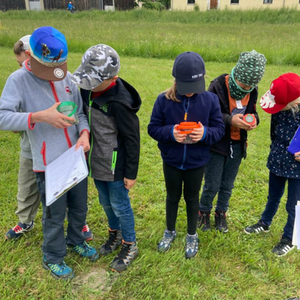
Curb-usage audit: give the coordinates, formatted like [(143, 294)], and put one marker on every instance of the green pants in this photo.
[(28, 194)]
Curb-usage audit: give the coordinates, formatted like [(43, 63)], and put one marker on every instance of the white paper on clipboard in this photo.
[(64, 173)]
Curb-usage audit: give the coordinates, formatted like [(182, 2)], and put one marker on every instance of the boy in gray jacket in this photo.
[(29, 102)]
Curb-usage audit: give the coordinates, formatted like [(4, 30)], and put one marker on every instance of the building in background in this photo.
[(62, 4), (204, 5)]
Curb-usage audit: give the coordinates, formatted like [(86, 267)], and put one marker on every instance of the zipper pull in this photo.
[(113, 162)]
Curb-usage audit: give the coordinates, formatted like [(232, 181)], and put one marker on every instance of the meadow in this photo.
[(228, 266)]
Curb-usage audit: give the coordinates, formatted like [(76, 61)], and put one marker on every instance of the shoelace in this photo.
[(85, 228), (111, 239), (57, 267), (17, 228), (124, 251), (82, 248), (191, 243)]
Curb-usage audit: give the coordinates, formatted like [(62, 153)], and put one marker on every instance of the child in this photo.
[(184, 163), (111, 104), (237, 94), (282, 101), (36, 90), (70, 7), (28, 194)]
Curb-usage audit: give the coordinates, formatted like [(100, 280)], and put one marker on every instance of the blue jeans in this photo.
[(220, 174), (114, 198), (276, 190)]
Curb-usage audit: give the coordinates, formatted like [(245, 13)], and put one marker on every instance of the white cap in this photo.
[(25, 40)]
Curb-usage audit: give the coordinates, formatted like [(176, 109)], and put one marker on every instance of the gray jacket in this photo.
[(25, 94)]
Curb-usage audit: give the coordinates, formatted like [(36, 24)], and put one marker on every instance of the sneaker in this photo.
[(191, 246), (165, 243), (87, 233), (283, 247), (128, 253), (204, 220), (59, 271), (257, 228), (113, 242), (85, 250), (220, 219), (16, 232)]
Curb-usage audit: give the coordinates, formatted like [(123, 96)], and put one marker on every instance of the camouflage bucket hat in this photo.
[(250, 68), (98, 63)]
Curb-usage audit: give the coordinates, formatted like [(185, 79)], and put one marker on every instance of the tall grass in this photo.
[(219, 36), (234, 266)]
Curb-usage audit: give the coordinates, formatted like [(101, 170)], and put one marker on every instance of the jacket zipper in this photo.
[(43, 152), (114, 161), (186, 105), (57, 100)]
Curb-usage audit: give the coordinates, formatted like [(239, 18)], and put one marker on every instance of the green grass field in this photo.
[(230, 266)]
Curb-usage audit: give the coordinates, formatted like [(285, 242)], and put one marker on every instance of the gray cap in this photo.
[(98, 63), (25, 40)]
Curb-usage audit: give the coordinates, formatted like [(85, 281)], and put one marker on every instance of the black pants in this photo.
[(192, 180), (54, 245)]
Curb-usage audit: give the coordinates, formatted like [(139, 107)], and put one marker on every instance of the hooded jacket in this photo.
[(24, 94), (166, 113), (115, 132), (218, 87)]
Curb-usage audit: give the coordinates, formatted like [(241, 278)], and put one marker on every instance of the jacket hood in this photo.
[(127, 95)]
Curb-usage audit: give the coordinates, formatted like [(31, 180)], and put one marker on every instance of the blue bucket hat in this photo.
[(49, 51)]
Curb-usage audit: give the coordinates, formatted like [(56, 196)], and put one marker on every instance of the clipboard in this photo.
[(64, 173), (295, 142)]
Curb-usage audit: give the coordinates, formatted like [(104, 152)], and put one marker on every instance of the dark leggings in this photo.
[(192, 179)]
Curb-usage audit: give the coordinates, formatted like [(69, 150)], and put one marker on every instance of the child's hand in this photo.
[(129, 183), (197, 133), (83, 141), (297, 156), (237, 121), (52, 117), (178, 137)]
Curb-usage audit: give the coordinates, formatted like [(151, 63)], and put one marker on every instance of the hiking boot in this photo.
[(220, 219), (204, 220), (191, 246), (113, 242), (283, 247), (128, 253), (257, 228), (59, 271), (165, 243), (16, 232), (87, 233), (85, 250)]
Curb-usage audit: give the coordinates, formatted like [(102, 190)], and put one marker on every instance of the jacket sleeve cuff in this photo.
[(30, 125), (204, 134), (172, 132), (83, 132)]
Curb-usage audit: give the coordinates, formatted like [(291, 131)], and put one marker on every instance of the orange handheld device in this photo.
[(187, 128), (249, 118)]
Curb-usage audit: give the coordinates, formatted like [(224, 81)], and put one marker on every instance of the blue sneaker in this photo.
[(166, 242), (87, 251), (191, 246), (16, 232), (87, 233), (59, 271)]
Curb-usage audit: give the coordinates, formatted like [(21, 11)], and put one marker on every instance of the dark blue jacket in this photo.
[(204, 108), (281, 162)]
